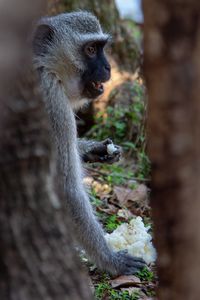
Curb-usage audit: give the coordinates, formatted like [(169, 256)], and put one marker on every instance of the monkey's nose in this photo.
[(107, 68)]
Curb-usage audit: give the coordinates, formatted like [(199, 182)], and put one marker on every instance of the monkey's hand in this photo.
[(126, 264), (105, 151)]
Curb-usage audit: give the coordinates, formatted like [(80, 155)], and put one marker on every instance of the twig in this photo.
[(105, 174)]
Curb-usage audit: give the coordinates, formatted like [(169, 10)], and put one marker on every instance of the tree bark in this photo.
[(37, 261), (172, 68)]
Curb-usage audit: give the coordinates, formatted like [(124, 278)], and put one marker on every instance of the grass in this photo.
[(111, 223), (104, 290), (95, 201), (145, 275)]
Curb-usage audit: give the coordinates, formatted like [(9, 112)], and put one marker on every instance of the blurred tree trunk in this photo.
[(37, 261), (172, 66)]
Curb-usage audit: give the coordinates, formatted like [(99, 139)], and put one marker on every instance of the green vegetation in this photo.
[(120, 118), (95, 201), (125, 125), (104, 290), (111, 223), (145, 275), (101, 289), (143, 165), (116, 174)]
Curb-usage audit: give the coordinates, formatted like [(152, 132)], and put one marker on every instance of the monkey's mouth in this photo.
[(93, 89), (98, 86)]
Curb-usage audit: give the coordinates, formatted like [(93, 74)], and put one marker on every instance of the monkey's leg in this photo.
[(94, 151)]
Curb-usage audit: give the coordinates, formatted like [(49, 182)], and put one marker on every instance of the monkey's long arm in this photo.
[(88, 231), (94, 151)]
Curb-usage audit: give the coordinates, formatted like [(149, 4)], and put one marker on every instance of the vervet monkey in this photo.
[(69, 57)]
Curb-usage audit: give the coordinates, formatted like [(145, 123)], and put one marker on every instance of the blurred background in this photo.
[(37, 259)]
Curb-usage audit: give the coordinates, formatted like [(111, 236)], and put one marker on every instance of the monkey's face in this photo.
[(97, 71), (71, 48)]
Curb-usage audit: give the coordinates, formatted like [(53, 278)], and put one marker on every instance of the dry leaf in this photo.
[(129, 280), (110, 210), (125, 214), (131, 290), (126, 196), (135, 200)]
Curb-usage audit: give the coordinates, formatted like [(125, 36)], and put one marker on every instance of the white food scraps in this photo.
[(111, 148), (135, 238)]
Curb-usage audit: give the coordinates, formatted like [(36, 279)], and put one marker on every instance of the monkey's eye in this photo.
[(91, 50)]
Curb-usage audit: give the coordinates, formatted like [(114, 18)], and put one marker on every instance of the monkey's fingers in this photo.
[(107, 141), (129, 264), (110, 159)]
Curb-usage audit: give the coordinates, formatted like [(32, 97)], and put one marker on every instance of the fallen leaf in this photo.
[(126, 196), (110, 210), (131, 290), (125, 280), (135, 200), (125, 214)]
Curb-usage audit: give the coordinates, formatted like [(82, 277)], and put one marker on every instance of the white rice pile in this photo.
[(135, 238)]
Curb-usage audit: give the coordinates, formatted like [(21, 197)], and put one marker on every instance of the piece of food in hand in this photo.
[(111, 148)]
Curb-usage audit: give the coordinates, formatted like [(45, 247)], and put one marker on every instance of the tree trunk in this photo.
[(172, 67), (37, 261)]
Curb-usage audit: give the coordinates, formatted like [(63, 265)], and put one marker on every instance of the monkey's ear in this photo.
[(42, 38)]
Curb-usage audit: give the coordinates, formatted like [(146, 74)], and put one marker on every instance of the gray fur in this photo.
[(70, 34), (59, 71)]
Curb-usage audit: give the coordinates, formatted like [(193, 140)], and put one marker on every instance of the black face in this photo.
[(98, 69)]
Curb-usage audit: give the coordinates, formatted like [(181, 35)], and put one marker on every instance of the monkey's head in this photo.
[(71, 47)]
